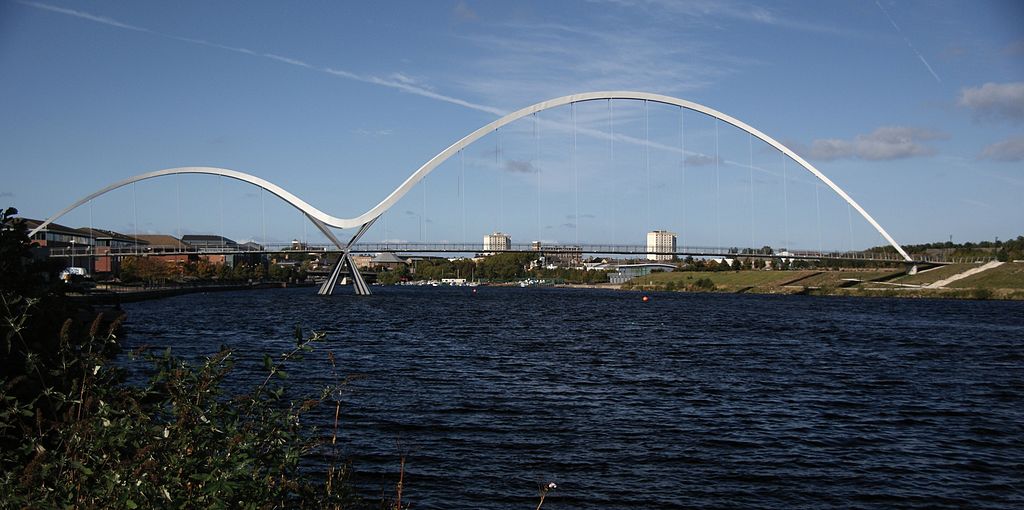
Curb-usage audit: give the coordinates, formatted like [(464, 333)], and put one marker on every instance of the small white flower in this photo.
[(166, 432), (106, 422), (552, 486), (95, 369)]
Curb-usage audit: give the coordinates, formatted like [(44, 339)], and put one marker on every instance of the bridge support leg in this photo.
[(327, 288), (357, 278), (344, 259), (912, 269)]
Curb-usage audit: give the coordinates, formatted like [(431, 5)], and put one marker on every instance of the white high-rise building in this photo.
[(661, 241), (497, 241)]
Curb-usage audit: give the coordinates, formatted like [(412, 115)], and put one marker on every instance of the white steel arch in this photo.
[(441, 157), (315, 215), (322, 220)]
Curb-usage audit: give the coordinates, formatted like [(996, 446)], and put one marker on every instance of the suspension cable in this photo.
[(817, 213), (423, 212), (647, 163), (718, 194), (92, 232), (575, 176), (220, 193), (611, 159), (750, 147), (785, 199), (849, 220), (177, 192), (682, 165), (497, 168), (462, 190), (135, 219), (536, 142)]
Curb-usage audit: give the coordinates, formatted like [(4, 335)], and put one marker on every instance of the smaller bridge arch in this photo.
[(315, 215)]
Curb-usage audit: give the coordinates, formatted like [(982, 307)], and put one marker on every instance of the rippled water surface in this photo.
[(683, 401)]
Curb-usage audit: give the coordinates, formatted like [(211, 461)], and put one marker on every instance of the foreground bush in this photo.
[(74, 434)]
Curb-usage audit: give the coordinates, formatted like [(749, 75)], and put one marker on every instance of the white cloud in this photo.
[(374, 132), (85, 15), (975, 203), (699, 160), (1011, 149), (713, 12), (397, 81), (573, 59), (462, 12), (521, 167), (996, 101), (884, 143), (1015, 49)]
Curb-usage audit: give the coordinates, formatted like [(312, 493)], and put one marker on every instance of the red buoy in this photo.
[(646, 299)]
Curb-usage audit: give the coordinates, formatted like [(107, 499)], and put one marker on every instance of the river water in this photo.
[(684, 401)]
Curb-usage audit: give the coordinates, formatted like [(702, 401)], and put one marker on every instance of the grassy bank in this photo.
[(1003, 282)]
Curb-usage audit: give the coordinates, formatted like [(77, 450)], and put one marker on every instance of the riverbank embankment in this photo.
[(955, 281), (117, 294)]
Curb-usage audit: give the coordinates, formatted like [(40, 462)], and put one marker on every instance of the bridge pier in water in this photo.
[(345, 259), (358, 282)]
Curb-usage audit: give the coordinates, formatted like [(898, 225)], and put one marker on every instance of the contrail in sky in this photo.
[(909, 44), (374, 80), (402, 85)]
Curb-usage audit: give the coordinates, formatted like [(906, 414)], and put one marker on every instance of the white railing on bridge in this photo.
[(478, 248)]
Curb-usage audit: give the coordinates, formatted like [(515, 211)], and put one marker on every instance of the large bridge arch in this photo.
[(453, 149), (323, 220)]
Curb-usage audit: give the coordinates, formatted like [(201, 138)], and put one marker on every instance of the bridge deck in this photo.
[(477, 248)]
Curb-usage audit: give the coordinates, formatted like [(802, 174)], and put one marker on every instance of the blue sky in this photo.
[(916, 109)]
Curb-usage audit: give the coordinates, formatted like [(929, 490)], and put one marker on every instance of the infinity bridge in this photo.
[(362, 223), (477, 248)]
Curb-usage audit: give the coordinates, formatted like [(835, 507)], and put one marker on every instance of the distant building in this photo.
[(59, 236), (59, 239), (204, 242), (497, 241), (212, 243), (362, 261), (626, 272), (388, 261), (554, 256), (114, 245), (159, 243), (663, 243)]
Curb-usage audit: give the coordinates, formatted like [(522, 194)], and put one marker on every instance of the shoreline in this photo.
[(108, 297), (979, 293)]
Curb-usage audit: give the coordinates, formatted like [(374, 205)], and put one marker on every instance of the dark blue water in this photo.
[(686, 401)]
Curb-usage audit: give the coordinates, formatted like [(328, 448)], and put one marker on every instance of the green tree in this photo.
[(224, 272), (145, 269), (73, 434)]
